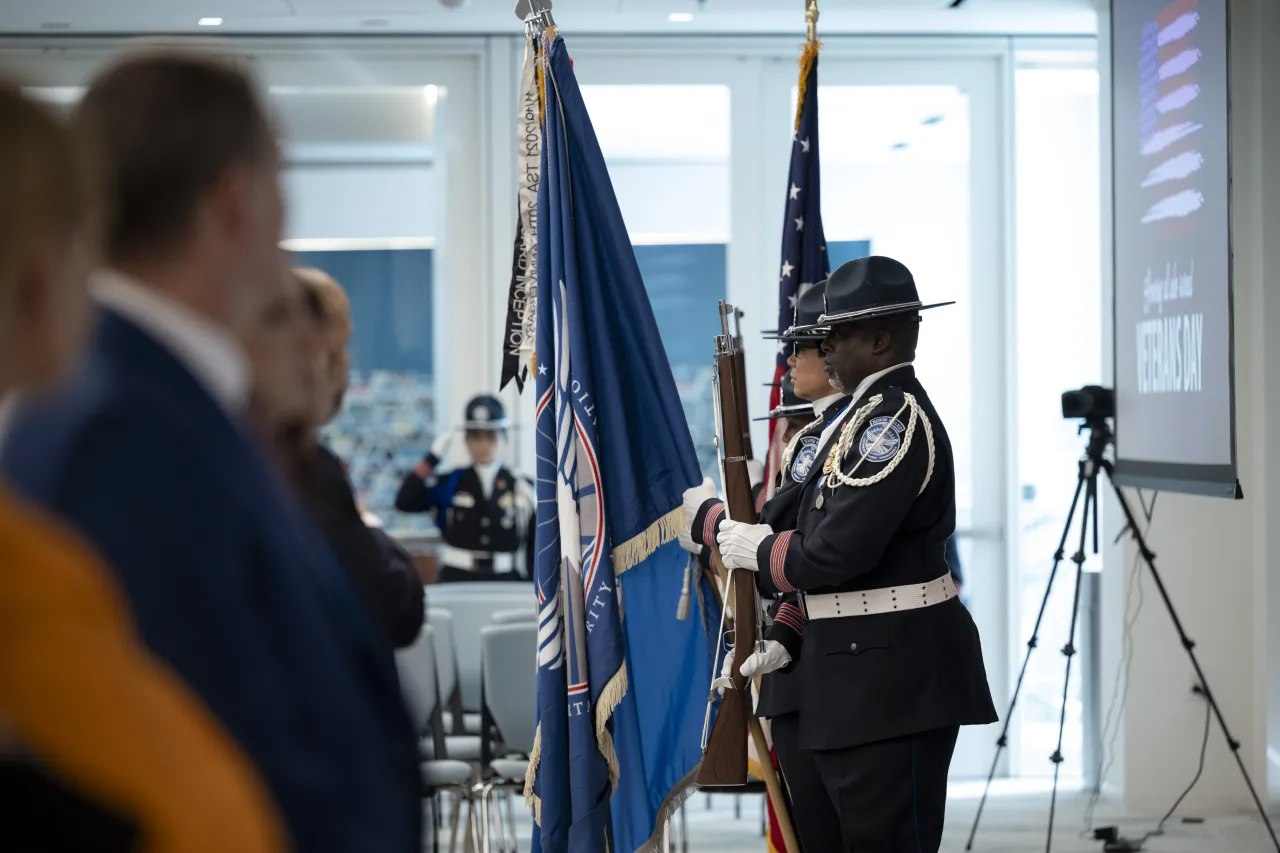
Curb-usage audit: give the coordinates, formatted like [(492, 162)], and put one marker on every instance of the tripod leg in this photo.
[(1069, 650), (1003, 740), (1149, 558)]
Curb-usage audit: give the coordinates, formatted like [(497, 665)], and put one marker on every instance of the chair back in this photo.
[(416, 665), (508, 617), (446, 655), (510, 669), (466, 589), (471, 614)]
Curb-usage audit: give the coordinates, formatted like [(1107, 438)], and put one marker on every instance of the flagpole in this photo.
[(772, 783)]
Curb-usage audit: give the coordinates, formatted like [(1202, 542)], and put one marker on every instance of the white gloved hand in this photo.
[(694, 498), (772, 657), (687, 543), (755, 471), (444, 441), (726, 673), (739, 542)]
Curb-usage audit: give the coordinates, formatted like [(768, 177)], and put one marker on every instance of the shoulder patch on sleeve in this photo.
[(806, 456), (881, 439)]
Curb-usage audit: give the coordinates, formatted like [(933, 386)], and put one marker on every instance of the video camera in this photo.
[(1091, 403)]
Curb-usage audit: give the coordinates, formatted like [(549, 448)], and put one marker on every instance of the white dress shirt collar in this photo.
[(865, 384), (820, 406), (211, 354), (488, 473), (857, 395)]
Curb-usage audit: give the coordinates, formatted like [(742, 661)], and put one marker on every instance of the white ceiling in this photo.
[(81, 17)]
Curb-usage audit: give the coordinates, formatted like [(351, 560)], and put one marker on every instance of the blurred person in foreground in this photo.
[(299, 380), (101, 747), (147, 454)]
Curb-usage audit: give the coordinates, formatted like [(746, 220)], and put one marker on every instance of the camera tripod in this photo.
[(1094, 461)]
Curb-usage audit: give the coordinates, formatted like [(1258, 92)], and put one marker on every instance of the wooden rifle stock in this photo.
[(724, 763)]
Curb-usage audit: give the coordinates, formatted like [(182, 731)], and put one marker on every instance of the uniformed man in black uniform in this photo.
[(891, 664), (484, 511)]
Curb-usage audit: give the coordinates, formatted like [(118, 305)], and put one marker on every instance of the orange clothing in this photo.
[(81, 692)]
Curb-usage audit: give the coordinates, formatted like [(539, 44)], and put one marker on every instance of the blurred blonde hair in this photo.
[(325, 299), (49, 189)]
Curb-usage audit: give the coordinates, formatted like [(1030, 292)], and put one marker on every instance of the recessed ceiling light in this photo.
[(210, 22), (680, 17), (55, 25)]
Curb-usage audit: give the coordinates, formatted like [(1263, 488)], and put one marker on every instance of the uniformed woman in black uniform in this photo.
[(484, 511)]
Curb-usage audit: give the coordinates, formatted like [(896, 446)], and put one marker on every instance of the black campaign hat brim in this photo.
[(786, 412), (873, 313)]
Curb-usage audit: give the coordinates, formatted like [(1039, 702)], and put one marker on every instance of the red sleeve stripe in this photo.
[(709, 524), (778, 561), (790, 616)]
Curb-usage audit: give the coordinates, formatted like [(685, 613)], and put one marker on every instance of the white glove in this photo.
[(739, 542), (694, 498), (755, 471), (440, 447), (726, 673), (687, 543), (773, 657)]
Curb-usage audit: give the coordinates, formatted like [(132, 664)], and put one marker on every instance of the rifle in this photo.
[(740, 380), (724, 758)]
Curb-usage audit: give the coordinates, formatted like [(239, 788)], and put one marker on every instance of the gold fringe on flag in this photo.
[(807, 58), (532, 800), (609, 700), (638, 548)]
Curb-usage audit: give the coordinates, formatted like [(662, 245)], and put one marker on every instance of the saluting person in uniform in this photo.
[(891, 664), (484, 511)]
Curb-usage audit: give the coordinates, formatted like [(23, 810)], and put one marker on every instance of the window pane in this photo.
[(898, 185), (364, 190), (1059, 347), (386, 422), (667, 150)]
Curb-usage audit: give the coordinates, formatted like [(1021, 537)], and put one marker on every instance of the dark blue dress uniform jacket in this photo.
[(231, 585)]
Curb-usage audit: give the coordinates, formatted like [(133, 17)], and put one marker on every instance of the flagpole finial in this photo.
[(536, 14), (811, 19)]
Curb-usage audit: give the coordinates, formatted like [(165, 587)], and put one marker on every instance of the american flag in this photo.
[(804, 246)]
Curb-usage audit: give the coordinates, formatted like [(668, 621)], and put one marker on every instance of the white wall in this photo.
[(1219, 558)]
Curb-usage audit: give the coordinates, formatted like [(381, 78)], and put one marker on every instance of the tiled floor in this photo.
[(1014, 822)]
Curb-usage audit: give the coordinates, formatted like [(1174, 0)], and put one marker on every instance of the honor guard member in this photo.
[(891, 664), (484, 511), (808, 404)]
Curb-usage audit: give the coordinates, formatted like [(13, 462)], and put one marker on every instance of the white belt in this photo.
[(838, 605), (461, 558)]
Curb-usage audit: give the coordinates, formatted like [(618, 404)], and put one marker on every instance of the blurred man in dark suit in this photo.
[(146, 454)]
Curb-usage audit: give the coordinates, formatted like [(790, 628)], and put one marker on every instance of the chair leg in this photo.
[(482, 843), (764, 830), (511, 821), (480, 839), (737, 808), (437, 822), (684, 831), (454, 814), (493, 825)]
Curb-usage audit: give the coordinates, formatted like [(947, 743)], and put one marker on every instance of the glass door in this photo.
[(911, 170)]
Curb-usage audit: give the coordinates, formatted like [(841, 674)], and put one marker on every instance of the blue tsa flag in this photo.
[(620, 678)]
